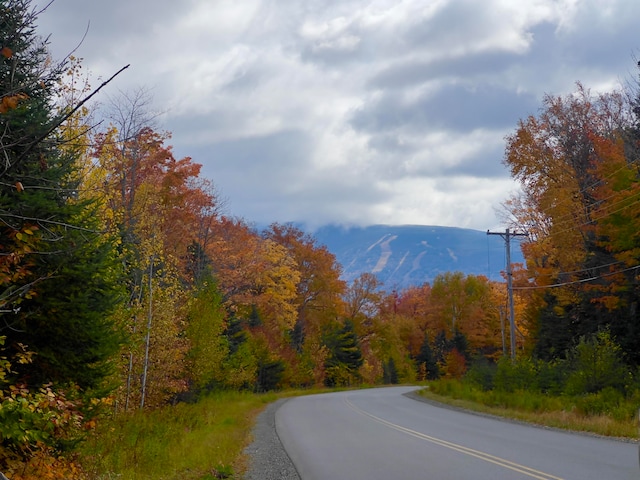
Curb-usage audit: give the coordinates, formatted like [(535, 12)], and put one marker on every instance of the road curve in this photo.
[(382, 434)]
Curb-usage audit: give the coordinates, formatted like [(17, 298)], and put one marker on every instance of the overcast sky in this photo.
[(351, 111)]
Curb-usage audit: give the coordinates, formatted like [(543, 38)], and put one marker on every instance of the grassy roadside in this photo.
[(569, 413), (200, 441), (206, 440)]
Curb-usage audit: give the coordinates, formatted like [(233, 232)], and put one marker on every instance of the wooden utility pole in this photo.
[(507, 236), (504, 343)]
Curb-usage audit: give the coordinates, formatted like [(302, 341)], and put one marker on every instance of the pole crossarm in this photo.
[(507, 235)]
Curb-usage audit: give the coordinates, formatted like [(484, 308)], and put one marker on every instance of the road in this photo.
[(382, 434)]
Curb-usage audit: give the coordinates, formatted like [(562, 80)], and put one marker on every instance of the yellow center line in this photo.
[(460, 448)]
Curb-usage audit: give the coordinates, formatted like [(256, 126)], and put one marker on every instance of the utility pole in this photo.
[(504, 343), (507, 236)]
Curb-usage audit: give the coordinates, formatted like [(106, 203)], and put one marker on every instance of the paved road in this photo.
[(382, 434)]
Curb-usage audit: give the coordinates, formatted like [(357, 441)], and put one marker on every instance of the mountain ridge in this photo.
[(402, 256)]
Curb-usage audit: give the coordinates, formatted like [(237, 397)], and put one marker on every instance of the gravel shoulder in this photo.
[(268, 459)]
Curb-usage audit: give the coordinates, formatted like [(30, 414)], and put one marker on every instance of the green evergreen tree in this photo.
[(441, 346), (269, 374), (553, 332), (297, 336), (58, 273), (255, 319), (345, 356), (460, 343), (425, 357), (235, 333), (389, 372)]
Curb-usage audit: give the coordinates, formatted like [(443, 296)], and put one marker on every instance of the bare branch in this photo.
[(50, 222), (61, 120)]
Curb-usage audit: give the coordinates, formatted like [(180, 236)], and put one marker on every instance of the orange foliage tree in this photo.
[(577, 164), (155, 203), (319, 298)]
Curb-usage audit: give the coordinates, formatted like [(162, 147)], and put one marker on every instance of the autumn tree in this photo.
[(258, 280), (362, 304), (464, 304), (198, 262), (552, 156), (396, 334), (157, 205), (578, 187), (276, 288), (362, 297), (614, 291), (319, 295)]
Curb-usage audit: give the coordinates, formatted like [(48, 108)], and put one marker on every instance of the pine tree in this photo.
[(426, 358), (345, 356), (57, 271), (389, 372)]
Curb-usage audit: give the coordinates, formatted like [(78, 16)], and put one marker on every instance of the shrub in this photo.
[(595, 364), (551, 376), (481, 374), (37, 427), (511, 376), (605, 402)]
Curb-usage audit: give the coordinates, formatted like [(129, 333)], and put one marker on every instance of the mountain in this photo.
[(410, 255)]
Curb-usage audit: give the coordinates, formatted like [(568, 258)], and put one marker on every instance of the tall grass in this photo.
[(203, 440), (604, 413)]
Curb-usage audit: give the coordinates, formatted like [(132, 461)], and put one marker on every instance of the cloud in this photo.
[(351, 111), (461, 107)]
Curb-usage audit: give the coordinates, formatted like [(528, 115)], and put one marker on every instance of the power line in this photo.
[(582, 280)]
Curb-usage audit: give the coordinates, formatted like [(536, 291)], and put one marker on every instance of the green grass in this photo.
[(596, 414), (186, 441)]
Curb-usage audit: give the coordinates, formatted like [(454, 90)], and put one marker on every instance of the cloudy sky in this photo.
[(352, 112)]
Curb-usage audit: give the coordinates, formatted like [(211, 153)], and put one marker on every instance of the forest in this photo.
[(125, 284)]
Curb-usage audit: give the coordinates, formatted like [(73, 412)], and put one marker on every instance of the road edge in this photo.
[(268, 460)]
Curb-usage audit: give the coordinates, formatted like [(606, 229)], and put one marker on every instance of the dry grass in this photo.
[(550, 411)]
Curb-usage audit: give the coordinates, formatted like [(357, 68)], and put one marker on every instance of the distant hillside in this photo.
[(403, 256)]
